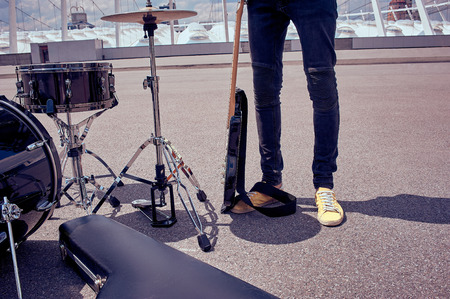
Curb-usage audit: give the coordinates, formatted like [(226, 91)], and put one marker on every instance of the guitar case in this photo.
[(236, 151), (234, 177), (119, 262)]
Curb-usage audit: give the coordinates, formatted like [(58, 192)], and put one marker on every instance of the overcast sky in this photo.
[(46, 14)]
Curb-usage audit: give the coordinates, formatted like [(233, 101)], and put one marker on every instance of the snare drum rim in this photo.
[(64, 67), (80, 107)]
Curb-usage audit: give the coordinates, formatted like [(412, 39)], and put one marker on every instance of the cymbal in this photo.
[(161, 15)]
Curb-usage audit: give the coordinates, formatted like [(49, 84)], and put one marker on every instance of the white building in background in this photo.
[(402, 18)]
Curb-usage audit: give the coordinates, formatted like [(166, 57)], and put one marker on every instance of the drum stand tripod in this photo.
[(74, 148), (175, 163)]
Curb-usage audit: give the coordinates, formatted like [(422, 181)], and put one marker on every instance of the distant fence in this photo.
[(15, 59), (355, 43)]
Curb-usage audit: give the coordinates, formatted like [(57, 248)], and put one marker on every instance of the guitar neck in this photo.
[(237, 35)]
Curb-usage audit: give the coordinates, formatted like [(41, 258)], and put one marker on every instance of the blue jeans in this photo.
[(315, 21)]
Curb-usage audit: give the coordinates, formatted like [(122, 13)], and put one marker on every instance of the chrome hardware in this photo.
[(98, 281), (12, 212), (112, 83), (68, 88), (19, 86), (101, 82), (33, 91), (36, 145), (145, 84)]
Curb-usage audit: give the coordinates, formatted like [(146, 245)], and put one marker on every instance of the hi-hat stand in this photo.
[(164, 151)]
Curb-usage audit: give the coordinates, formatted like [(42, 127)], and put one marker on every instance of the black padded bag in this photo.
[(129, 264)]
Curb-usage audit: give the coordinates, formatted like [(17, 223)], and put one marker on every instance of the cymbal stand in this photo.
[(164, 150), (10, 212), (74, 148)]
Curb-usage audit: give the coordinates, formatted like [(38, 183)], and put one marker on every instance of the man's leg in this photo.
[(316, 29), (267, 32)]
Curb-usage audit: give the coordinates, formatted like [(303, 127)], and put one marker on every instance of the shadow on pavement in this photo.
[(282, 230), (255, 227), (403, 206), (41, 272)]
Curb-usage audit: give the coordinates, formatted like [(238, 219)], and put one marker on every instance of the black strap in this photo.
[(243, 106), (289, 202)]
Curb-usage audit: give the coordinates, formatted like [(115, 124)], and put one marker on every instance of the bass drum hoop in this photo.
[(51, 153)]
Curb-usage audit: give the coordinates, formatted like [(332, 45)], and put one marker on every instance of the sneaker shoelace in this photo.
[(327, 199)]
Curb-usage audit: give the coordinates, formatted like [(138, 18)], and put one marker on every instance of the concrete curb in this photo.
[(344, 57)]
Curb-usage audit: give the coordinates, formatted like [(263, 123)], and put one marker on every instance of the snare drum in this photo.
[(71, 87), (30, 171)]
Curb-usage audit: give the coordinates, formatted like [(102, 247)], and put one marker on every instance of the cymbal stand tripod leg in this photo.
[(184, 168), (173, 164)]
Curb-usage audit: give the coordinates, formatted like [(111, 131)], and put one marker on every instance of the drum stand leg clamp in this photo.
[(74, 148), (9, 213), (163, 183)]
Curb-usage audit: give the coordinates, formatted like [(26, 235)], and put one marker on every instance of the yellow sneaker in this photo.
[(329, 213), (258, 200)]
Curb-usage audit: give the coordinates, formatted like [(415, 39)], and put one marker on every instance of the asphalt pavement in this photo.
[(392, 179)]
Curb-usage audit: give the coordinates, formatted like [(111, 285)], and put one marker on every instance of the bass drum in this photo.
[(30, 171)]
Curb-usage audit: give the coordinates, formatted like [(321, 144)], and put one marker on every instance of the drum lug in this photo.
[(112, 83), (101, 88), (68, 88), (19, 86), (36, 145), (33, 90)]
